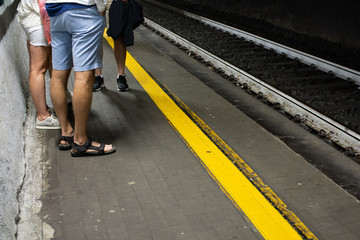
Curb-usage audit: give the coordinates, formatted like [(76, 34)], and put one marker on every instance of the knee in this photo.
[(119, 41), (43, 70), (39, 68), (85, 79)]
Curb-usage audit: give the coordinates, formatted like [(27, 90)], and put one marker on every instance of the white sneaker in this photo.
[(49, 123)]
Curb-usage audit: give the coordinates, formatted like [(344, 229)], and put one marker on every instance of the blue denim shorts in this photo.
[(76, 38)]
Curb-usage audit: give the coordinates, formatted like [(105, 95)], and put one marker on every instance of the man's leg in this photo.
[(81, 103), (98, 72), (58, 87), (99, 80), (120, 55)]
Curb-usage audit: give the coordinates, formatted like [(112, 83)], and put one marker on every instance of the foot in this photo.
[(65, 142), (98, 84), (50, 122), (90, 148), (121, 83)]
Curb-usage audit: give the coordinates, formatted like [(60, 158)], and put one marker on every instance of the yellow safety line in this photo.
[(270, 223)]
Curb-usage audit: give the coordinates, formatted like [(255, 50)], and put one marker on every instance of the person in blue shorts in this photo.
[(76, 32)]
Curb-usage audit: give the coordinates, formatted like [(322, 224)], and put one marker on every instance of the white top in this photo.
[(28, 13), (99, 3)]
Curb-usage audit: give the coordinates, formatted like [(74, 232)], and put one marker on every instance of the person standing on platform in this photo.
[(40, 62), (122, 18), (76, 32)]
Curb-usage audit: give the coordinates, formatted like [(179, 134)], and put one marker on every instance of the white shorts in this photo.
[(36, 36)]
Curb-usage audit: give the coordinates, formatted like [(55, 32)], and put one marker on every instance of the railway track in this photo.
[(323, 95)]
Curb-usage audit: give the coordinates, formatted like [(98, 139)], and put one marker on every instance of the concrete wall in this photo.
[(335, 21), (13, 85)]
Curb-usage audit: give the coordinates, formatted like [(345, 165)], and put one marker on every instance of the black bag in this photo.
[(123, 19)]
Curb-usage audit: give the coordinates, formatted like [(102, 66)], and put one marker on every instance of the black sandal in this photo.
[(67, 146), (81, 150)]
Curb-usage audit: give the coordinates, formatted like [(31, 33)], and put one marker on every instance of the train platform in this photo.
[(188, 165)]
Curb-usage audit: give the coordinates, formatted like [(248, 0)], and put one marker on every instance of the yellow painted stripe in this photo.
[(270, 223), (244, 168)]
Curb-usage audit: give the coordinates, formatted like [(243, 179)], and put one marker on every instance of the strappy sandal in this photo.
[(67, 146), (81, 150)]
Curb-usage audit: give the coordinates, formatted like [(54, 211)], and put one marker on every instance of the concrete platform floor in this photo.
[(154, 187)]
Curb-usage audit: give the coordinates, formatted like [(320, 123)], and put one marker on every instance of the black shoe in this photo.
[(121, 83), (98, 83)]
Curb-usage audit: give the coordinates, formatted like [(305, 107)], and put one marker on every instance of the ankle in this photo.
[(42, 117), (80, 141), (67, 134), (67, 130)]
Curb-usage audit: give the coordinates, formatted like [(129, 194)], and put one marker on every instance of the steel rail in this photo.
[(322, 64), (334, 131)]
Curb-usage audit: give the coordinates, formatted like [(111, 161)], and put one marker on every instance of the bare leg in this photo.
[(81, 104), (99, 79), (58, 87), (120, 55), (39, 63), (50, 64), (98, 72)]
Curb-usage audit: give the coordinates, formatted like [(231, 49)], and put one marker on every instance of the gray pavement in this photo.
[(154, 187), (326, 209)]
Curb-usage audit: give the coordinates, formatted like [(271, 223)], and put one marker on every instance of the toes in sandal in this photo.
[(67, 146), (81, 150)]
